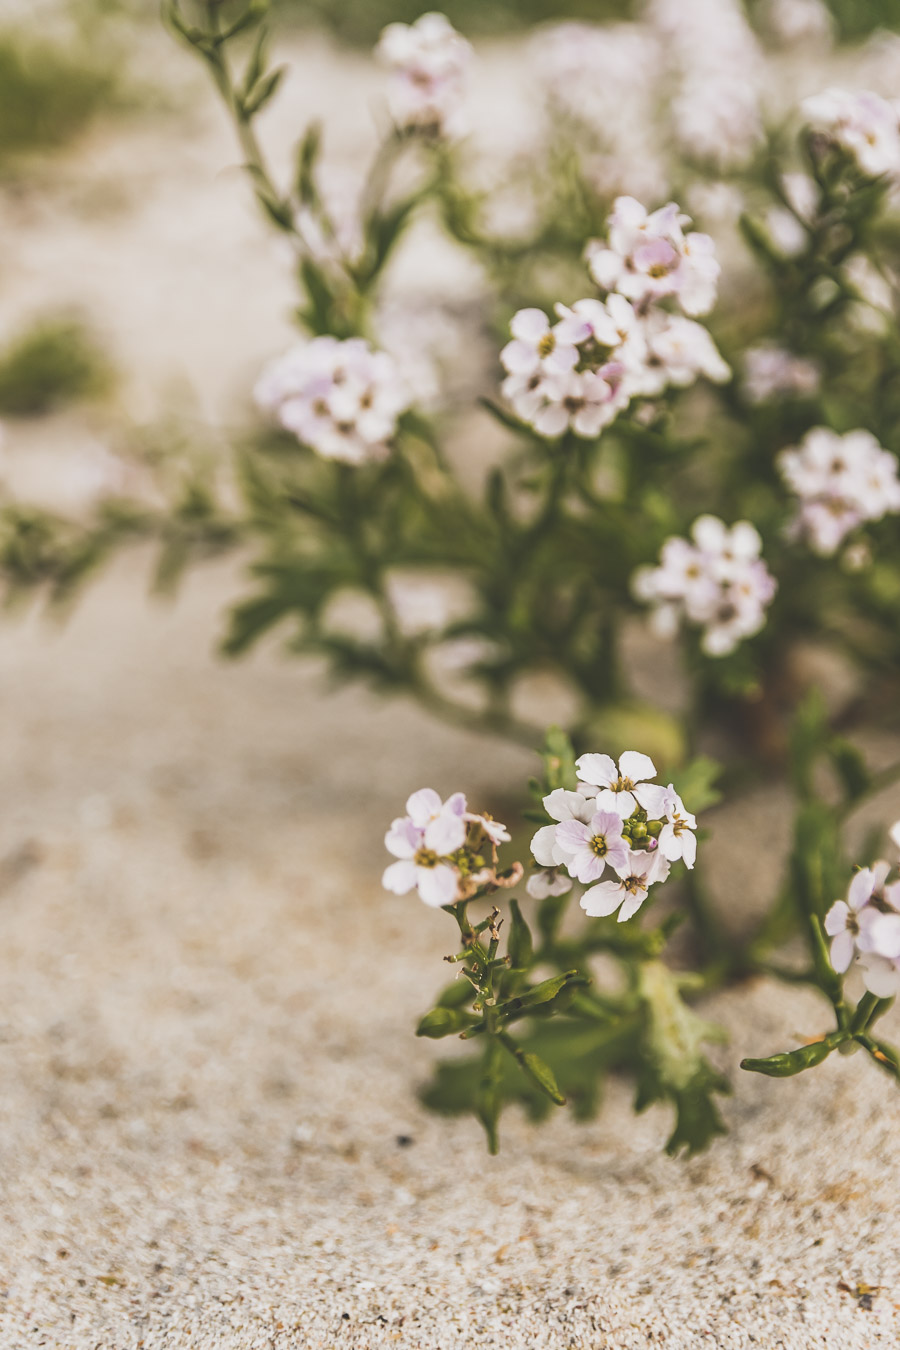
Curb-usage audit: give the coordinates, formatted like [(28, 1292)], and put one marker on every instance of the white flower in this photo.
[(676, 838), (429, 61), (623, 787), (679, 350), (342, 399), (422, 840), (866, 926), (648, 256), (537, 347), (716, 580), (862, 123), (629, 891), (547, 881), (841, 481)]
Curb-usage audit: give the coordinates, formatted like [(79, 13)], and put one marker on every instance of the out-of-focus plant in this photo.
[(724, 472), (50, 363)]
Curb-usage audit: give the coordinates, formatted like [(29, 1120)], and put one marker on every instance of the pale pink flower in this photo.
[(429, 62), (422, 841), (593, 846), (648, 256), (629, 891), (841, 482), (535, 346), (772, 372), (862, 123)]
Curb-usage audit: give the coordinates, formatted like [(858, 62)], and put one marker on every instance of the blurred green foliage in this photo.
[(52, 362), (48, 92), (361, 21)]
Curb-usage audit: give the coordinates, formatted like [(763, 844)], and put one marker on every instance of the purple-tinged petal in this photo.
[(572, 834), (836, 918), (861, 888), (617, 854), (881, 935), (842, 949), (403, 838), (607, 823), (880, 976), (588, 866)]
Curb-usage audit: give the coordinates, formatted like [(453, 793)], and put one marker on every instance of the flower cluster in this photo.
[(428, 61), (772, 372), (842, 481), (866, 927), (648, 256), (616, 819), (440, 847), (718, 73), (342, 399), (579, 373), (862, 123), (716, 579)]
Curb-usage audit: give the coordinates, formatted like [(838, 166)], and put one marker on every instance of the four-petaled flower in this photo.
[(593, 846), (623, 788), (422, 840), (629, 891)]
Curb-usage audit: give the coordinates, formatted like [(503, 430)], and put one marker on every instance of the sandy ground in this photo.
[(208, 1118)]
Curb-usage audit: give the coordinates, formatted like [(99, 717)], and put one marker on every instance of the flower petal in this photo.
[(564, 805), (836, 918), (422, 805), (437, 885), (636, 766), (880, 976), (572, 834), (652, 798), (861, 888), (542, 845), (529, 325), (597, 769), (631, 906), (445, 834), (400, 877), (842, 950), (602, 900), (403, 838)]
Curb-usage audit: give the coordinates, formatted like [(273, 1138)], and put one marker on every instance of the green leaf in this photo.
[(489, 1099), (672, 1066), (307, 155), (541, 1075), (549, 916), (795, 1061), (318, 313), (851, 768), (519, 944), (443, 1021), (695, 783), (264, 90), (559, 760), (457, 994), (539, 993)]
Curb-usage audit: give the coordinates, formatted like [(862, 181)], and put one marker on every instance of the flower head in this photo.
[(866, 927), (841, 482), (429, 62), (629, 891), (342, 399), (623, 787), (647, 256), (863, 124)]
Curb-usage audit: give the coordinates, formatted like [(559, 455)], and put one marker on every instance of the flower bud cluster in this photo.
[(581, 372), (716, 579), (444, 851), (842, 482), (865, 928), (342, 399), (429, 61), (618, 820), (862, 123)]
